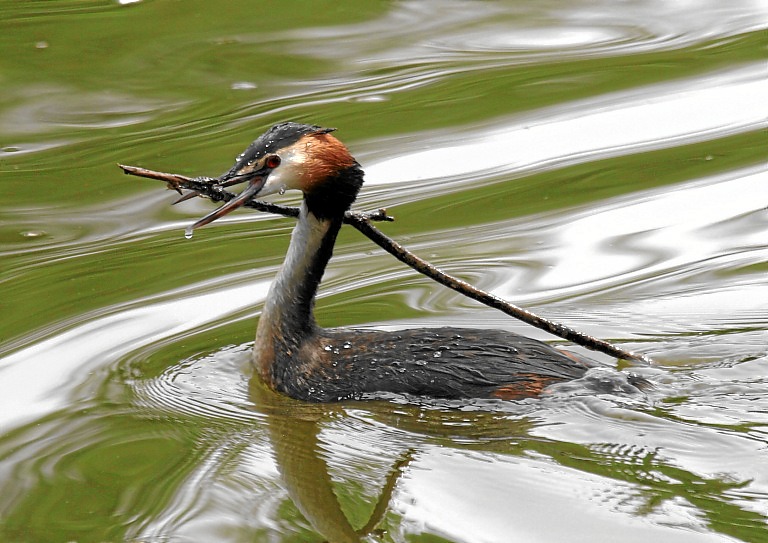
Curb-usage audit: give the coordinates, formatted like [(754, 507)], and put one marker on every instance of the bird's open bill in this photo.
[(245, 169), (254, 186)]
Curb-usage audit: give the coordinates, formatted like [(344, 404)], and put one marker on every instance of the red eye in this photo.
[(272, 162)]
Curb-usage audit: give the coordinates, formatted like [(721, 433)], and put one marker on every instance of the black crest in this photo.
[(279, 136)]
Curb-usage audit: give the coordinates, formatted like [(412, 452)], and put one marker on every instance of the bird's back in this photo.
[(449, 363)]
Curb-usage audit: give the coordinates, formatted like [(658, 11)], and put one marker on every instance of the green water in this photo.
[(603, 164)]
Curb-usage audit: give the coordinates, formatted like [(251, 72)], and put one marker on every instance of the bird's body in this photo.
[(297, 357), (336, 364)]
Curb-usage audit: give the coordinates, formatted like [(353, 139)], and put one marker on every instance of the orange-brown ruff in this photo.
[(326, 156), (294, 355)]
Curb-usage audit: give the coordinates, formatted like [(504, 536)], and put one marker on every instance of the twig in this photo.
[(454, 283), (207, 187)]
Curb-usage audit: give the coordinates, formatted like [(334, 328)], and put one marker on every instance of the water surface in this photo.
[(601, 163)]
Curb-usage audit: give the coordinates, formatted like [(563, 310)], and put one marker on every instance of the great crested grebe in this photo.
[(295, 356)]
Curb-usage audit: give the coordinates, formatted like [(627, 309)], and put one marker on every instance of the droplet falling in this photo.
[(189, 231)]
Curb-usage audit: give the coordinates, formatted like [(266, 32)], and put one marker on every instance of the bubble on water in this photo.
[(243, 85), (34, 233), (369, 98)]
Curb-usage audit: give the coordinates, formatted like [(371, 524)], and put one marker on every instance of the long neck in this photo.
[(288, 311)]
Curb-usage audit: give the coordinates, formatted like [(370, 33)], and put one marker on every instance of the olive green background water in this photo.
[(603, 164)]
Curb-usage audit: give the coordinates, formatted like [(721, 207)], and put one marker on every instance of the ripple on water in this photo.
[(416, 30), (608, 26), (214, 387), (191, 452), (704, 426), (50, 109), (495, 38)]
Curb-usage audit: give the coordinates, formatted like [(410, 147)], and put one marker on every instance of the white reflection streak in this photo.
[(503, 498), (32, 379), (652, 117), (672, 225)]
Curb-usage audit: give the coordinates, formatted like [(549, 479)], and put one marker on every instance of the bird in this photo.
[(297, 357)]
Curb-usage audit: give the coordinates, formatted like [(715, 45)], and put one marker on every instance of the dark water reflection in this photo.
[(601, 163)]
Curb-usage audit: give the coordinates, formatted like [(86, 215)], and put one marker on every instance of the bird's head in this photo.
[(294, 156)]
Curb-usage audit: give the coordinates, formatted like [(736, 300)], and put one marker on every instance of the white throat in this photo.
[(287, 176)]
